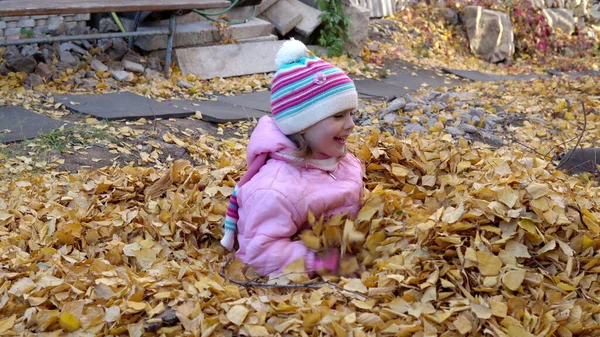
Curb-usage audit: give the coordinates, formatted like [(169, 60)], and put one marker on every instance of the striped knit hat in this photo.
[(307, 89)]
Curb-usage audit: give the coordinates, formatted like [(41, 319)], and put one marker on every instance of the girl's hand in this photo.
[(328, 263)]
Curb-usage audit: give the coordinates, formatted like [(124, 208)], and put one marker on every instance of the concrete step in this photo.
[(228, 60), (282, 16), (204, 32)]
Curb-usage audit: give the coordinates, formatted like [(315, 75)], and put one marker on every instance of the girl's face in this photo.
[(328, 137)]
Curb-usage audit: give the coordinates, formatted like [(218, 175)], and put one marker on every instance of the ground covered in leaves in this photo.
[(455, 237)]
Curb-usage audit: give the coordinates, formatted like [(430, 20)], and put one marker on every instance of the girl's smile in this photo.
[(327, 138)]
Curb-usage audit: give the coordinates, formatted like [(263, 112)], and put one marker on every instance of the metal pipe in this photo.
[(136, 22), (170, 46), (161, 31)]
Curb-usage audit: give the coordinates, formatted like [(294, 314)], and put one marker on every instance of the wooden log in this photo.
[(37, 7)]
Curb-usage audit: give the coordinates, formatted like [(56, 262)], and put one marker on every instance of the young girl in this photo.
[(297, 162)]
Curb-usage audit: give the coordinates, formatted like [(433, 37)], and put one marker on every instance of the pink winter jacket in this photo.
[(274, 204)]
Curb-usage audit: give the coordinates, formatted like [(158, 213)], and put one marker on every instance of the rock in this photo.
[(29, 50), (413, 127), (391, 118), (89, 83), (594, 16), (132, 56), (490, 34), (97, 65), (580, 160), (492, 120), (67, 57), (358, 29), (184, 84), (568, 52), (455, 131), (78, 30), (153, 63), (77, 80), (476, 112), (11, 52), (451, 16), (394, 105), (33, 80), (560, 18), (56, 26), (4, 69), (132, 66), (19, 63), (70, 46), (115, 65), (91, 74), (432, 95), (492, 139), (122, 76), (107, 25), (373, 47), (43, 70), (86, 44), (62, 66), (151, 73), (120, 48), (104, 44), (444, 98), (470, 128), (102, 58), (411, 106)]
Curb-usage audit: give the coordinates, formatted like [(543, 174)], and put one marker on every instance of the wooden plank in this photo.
[(38, 7)]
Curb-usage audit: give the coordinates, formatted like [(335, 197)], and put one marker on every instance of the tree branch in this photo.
[(578, 140), (312, 284)]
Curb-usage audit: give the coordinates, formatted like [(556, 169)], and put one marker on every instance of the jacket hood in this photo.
[(267, 139)]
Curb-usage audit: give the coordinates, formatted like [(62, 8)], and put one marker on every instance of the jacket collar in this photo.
[(327, 165)]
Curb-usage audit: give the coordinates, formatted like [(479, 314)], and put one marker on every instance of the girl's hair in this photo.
[(303, 151)]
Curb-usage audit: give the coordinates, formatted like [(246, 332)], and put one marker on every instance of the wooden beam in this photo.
[(47, 7)]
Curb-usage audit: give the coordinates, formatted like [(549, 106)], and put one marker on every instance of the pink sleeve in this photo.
[(270, 220)]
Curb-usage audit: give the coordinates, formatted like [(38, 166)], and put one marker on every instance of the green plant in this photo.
[(334, 31), (28, 32)]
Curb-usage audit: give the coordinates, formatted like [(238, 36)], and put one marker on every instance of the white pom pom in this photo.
[(228, 239), (291, 51)]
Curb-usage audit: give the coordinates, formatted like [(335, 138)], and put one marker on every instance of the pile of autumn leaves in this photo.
[(453, 239)]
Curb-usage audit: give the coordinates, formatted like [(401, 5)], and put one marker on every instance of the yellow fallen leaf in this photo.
[(68, 322), (537, 190), (7, 323), (463, 324), (508, 196), (237, 314), (481, 311), (517, 249), (513, 279), (518, 331), (452, 215), (488, 264), (566, 287), (356, 285), (256, 330)]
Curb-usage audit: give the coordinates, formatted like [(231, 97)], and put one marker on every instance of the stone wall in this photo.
[(16, 27)]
